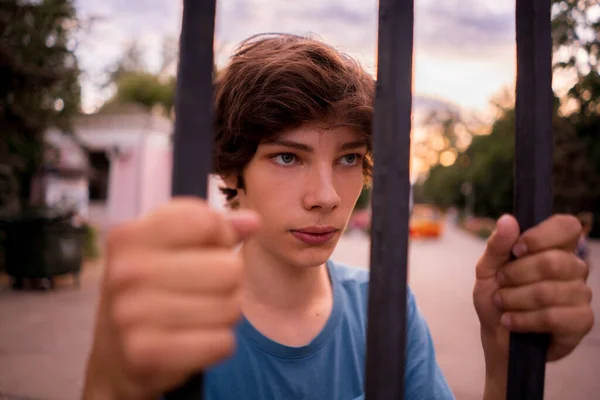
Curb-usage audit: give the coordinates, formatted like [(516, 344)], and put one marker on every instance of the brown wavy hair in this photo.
[(276, 82)]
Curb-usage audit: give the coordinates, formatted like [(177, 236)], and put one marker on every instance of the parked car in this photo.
[(426, 220)]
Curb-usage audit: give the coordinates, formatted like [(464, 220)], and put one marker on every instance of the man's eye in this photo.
[(285, 158), (350, 159)]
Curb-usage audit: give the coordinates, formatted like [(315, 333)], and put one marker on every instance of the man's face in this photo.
[(304, 185)]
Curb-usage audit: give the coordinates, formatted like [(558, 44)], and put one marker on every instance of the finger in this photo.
[(549, 265), (558, 231), (168, 311), (186, 222), (154, 353), (543, 295), (498, 249), (557, 320), (244, 223), (186, 271)]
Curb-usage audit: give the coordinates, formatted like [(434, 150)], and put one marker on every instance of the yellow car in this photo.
[(426, 221)]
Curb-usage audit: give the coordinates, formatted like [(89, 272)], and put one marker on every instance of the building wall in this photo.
[(141, 159), (122, 189), (155, 176)]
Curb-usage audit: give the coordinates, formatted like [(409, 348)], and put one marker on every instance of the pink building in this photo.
[(131, 154)]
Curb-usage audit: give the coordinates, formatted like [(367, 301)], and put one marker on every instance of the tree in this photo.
[(135, 83), (39, 86), (132, 60), (576, 38), (488, 162), (487, 165), (146, 89)]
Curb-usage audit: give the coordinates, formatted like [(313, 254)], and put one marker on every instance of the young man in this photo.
[(278, 319)]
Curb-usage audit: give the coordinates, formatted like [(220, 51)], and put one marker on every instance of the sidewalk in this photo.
[(42, 351), (45, 337)]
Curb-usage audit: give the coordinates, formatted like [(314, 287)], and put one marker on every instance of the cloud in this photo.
[(118, 23), (468, 29), (466, 32)]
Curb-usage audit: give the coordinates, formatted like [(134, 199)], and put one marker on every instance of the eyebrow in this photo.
[(304, 147)]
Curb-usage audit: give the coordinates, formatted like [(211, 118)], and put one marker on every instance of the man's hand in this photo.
[(169, 300), (531, 282)]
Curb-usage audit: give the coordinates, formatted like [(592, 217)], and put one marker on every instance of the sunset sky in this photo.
[(464, 50)]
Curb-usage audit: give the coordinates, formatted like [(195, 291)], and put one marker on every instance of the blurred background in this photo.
[(86, 121)]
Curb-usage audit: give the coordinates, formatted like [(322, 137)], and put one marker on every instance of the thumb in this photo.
[(499, 247), (244, 223)]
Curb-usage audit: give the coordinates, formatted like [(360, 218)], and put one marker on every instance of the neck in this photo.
[(273, 284)]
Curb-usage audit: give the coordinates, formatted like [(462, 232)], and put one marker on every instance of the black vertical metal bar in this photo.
[(533, 172), (386, 329), (193, 124), (193, 104)]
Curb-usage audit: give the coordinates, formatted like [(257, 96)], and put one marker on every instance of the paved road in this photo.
[(441, 274), (45, 337)]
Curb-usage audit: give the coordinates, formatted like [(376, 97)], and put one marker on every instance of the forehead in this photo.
[(321, 133)]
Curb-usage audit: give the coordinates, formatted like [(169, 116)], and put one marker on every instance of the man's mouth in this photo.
[(315, 235)]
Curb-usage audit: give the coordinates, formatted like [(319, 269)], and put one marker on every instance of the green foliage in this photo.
[(135, 83), (487, 164), (146, 89), (363, 199), (40, 86), (91, 250), (575, 28), (442, 187)]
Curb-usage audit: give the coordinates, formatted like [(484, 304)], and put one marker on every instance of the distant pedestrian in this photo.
[(583, 249)]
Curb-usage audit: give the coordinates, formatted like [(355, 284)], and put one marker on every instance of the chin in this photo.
[(313, 256), (312, 260), (300, 255)]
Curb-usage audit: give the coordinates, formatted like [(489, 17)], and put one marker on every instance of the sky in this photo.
[(464, 49)]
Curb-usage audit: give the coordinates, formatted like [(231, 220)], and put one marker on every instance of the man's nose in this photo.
[(321, 192)]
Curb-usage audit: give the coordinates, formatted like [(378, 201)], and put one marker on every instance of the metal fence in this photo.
[(385, 361)]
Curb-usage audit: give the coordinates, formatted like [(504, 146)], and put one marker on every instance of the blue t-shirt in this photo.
[(331, 366)]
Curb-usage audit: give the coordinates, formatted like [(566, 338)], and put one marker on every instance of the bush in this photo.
[(91, 250), (363, 199)]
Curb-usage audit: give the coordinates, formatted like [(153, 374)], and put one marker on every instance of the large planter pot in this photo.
[(42, 248)]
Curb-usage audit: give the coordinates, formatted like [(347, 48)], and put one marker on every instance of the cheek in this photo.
[(349, 187), (270, 193)]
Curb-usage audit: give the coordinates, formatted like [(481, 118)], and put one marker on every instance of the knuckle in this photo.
[(550, 319), (196, 214), (570, 223), (123, 313), (583, 269), (119, 235), (135, 352), (589, 320), (124, 271), (142, 353), (545, 294), (589, 293), (553, 263)]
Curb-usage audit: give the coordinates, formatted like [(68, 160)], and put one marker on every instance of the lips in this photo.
[(315, 235)]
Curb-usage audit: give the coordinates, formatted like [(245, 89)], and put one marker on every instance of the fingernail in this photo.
[(505, 321), (498, 300), (519, 249)]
